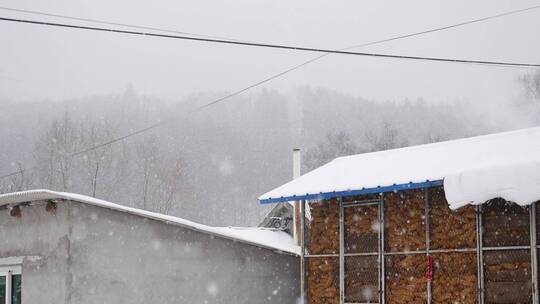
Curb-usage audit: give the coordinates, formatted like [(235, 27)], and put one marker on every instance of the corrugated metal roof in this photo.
[(416, 167)]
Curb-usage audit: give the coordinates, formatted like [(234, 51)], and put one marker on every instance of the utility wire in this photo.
[(227, 38), (257, 83), (113, 23), (437, 29), (273, 46), (442, 28)]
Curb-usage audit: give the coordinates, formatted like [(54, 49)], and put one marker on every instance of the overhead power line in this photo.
[(293, 68), (273, 46), (442, 28), (98, 21), (235, 93), (106, 22), (433, 30)]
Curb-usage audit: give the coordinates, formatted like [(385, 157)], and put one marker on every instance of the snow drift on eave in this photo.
[(261, 237), (517, 182), (474, 169)]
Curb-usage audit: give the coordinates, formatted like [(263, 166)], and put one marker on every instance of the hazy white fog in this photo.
[(63, 90), (50, 63)]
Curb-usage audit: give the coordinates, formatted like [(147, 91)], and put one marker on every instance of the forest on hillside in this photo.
[(210, 166)]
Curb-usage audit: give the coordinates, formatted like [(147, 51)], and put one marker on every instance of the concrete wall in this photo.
[(87, 254)]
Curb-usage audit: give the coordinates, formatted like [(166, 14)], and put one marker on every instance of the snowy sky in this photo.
[(50, 63)]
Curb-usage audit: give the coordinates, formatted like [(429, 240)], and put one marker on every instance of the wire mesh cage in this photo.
[(455, 278), (362, 279), (405, 279), (404, 233), (362, 228), (450, 229), (409, 247), (505, 224), (507, 277), (322, 280), (322, 227), (404, 221)]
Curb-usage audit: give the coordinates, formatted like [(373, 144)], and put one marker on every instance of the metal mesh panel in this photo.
[(404, 220), (322, 280), (362, 279), (507, 271), (454, 278), (405, 279), (505, 224), (450, 229), (361, 228), (537, 222), (322, 227), (507, 277)]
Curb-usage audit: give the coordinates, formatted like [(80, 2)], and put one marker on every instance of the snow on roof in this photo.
[(473, 170), (270, 239)]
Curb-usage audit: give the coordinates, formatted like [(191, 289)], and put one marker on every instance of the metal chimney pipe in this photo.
[(296, 163), (297, 209)]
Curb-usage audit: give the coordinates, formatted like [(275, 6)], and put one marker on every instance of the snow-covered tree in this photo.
[(334, 145), (53, 151), (531, 84)]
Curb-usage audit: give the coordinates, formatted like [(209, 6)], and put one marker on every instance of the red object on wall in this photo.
[(429, 274)]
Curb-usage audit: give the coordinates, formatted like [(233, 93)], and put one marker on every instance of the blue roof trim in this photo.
[(328, 195)]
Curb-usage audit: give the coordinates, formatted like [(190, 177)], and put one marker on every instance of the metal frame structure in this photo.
[(427, 218), (380, 246), (479, 254), (382, 283), (483, 249), (534, 253), (302, 249), (341, 251), (382, 254)]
